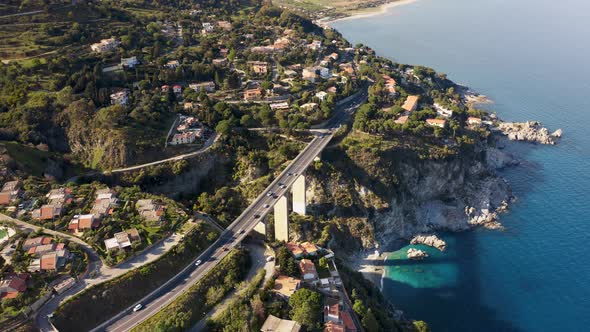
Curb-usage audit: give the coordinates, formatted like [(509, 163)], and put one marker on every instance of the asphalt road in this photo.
[(235, 232)]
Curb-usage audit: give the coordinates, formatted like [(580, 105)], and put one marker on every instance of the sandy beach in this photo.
[(373, 269), (369, 12)]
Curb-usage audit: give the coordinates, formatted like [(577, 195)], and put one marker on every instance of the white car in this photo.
[(137, 307), (266, 206), (269, 194), (198, 263)]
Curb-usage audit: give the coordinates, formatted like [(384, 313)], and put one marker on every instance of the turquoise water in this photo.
[(532, 57)]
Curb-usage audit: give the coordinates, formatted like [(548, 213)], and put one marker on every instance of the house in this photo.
[(207, 28), (262, 49), (172, 64), (309, 106), (309, 248), (45, 248), (223, 52), (13, 285), (473, 121), (411, 103), (281, 43), (150, 210), (187, 137), (10, 192), (177, 89), (390, 85), (104, 204), (105, 45), (333, 327), (303, 249), (295, 249), (250, 94), (122, 240), (347, 67), (279, 106), (321, 95), (258, 67), (51, 261), (332, 310), (36, 241), (165, 88), (442, 111), (308, 271), (275, 324), (47, 212), (83, 222), (436, 122), (286, 286), (205, 86), (315, 45), (332, 89), (402, 119), (129, 62), (312, 73), (120, 98), (225, 25)]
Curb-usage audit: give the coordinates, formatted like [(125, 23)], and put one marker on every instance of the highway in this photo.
[(235, 232)]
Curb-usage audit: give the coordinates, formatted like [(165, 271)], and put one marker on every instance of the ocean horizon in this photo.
[(531, 59)]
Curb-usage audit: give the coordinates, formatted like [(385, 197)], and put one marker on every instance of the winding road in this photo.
[(236, 232)]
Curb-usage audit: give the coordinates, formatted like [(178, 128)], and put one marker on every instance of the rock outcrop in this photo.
[(530, 131), (416, 254), (429, 240)]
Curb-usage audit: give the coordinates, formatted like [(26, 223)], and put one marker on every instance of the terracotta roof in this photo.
[(333, 327), (410, 103), (307, 267), (309, 248), (402, 119), (294, 248), (36, 241), (49, 262)]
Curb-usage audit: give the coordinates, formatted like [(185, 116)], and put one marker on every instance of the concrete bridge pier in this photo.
[(281, 215), (298, 190), (260, 228)]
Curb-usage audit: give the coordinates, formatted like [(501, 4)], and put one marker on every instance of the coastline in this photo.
[(372, 267), (365, 13)]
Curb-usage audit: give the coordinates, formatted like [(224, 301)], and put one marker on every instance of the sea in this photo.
[(532, 57)]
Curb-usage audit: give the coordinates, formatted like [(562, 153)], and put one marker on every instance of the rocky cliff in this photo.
[(383, 196)]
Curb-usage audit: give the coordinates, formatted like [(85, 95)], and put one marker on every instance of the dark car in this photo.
[(256, 216)]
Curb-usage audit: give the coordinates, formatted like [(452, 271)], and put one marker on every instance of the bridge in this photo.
[(288, 186)]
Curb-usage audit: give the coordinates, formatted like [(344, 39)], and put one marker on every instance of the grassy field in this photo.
[(3, 233)]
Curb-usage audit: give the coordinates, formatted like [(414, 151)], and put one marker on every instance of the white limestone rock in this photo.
[(416, 254)]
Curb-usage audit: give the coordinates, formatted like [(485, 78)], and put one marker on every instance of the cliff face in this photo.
[(395, 197)]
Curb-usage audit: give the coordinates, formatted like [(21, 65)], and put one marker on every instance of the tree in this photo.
[(223, 127), (306, 308), (421, 326), (370, 322)]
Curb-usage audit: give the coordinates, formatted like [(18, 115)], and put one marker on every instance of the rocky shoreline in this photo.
[(530, 131), (482, 201)]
